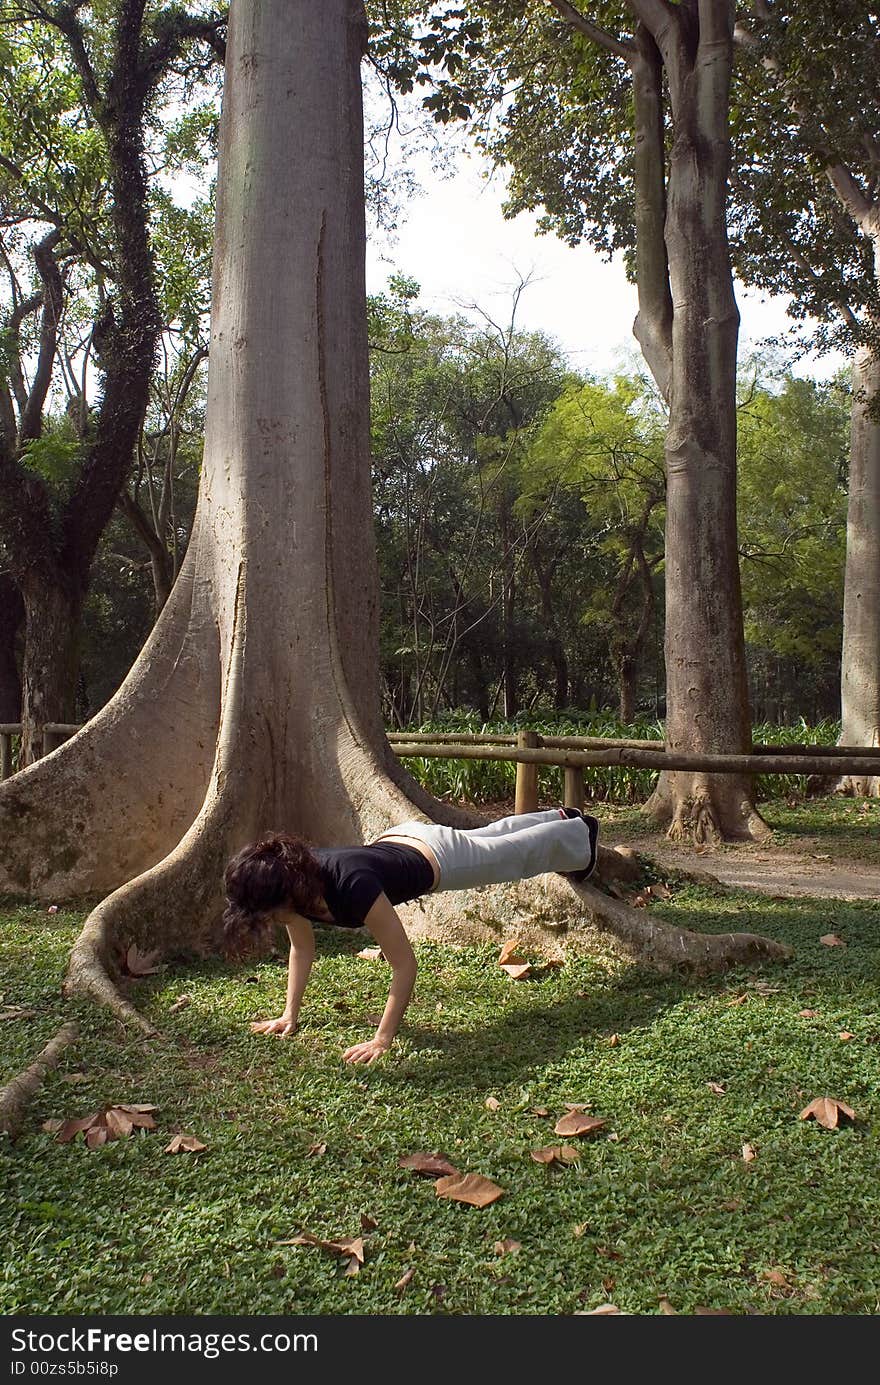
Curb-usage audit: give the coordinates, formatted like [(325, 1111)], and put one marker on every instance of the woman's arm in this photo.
[(299, 967), (388, 931)]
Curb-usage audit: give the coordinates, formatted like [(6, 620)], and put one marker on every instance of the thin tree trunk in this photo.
[(860, 664), (707, 692)]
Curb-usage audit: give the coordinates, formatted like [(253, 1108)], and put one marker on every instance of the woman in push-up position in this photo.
[(281, 878)]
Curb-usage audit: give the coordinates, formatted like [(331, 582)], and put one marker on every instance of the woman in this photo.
[(281, 878)]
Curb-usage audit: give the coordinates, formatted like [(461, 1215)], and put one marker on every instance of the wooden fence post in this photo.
[(5, 756), (573, 789), (526, 800)]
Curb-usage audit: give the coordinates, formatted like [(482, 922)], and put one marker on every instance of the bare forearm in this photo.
[(399, 996), (299, 969)]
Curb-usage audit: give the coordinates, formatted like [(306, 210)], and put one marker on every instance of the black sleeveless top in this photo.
[(355, 876)]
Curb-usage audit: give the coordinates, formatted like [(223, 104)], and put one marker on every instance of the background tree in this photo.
[(103, 74), (808, 223), (647, 84)]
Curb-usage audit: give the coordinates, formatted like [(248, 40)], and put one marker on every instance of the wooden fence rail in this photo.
[(573, 754)]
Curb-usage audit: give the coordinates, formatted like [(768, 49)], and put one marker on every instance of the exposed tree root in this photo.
[(706, 809), (665, 946), (853, 786), (17, 1094)]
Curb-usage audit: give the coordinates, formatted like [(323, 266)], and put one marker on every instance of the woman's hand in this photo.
[(367, 1052), (283, 1026)]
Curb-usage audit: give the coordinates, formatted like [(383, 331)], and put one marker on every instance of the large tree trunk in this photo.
[(860, 664), (707, 691), (51, 658), (255, 704)]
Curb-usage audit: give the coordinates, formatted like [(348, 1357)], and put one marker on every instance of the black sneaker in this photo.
[(593, 829)]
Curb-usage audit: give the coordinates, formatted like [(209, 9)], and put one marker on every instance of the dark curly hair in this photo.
[(278, 871)]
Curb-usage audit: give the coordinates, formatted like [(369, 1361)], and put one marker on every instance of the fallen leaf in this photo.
[(371, 954), (519, 970), (139, 963), (184, 1144), (556, 1154), (832, 940), (431, 1164), (732, 1204), (316, 1150), (614, 1040), (763, 987), (639, 901), (118, 1122), (575, 1106), (51, 1127), (507, 1247), (844, 1036), (717, 1087), (538, 1111), (52, 909), (667, 1308), (353, 1267), (580, 1228), (70, 1128), (181, 1003), (748, 1153), (658, 890), (713, 1312), (405, 1279), (351, 1248), (739, 999), (777, 1278), (493, 1103), (508, 952), (577, 1123), (826, 1111), (368, 1223), (96, 1135), (808, 1014), (472, 1188), (604, 1310), (111, 1123)]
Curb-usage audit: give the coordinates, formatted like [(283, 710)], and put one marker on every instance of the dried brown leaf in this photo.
[(748, 1153), (518, 970), (96, 1135), (667, 1308), (70, 1128), (614, 1040), (578, 1123), (508, 952), (507, 1247), (776, 1278), (472, 1188), (808, 1014), (405, 1279), (832, 940), (371, 954), (52, 1126), (556, 1154), (658, 890), (844, 1036), (492, 1103), (431, 1164), (118, 1122), (184, 1144), (717, 1087), (538, 1111), (604, 1310), (181, 1003), (368, 1223), (713, 1312), (826, 1111), (316, 1150), (739, 999)]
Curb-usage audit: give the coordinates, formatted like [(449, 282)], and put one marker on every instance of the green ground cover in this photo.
[(661, 1202)]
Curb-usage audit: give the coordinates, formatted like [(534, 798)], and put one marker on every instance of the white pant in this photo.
[(512, 848)]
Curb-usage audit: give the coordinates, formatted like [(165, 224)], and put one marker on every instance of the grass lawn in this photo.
[(661, 1203)]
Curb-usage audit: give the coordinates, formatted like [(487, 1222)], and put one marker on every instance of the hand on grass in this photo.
[(367, 1052), (283, 1025)]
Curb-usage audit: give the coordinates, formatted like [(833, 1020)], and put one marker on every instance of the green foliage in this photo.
[(666, 1208)]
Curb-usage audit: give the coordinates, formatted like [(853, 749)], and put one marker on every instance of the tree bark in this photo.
[(11, 619), (255, 704), (860, 663), (707, 691), (51, 658)]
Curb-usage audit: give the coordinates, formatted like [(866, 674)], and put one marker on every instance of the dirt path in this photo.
[(770, 871)]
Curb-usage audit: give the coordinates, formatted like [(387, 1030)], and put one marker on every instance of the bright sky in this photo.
[(455, 242)]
